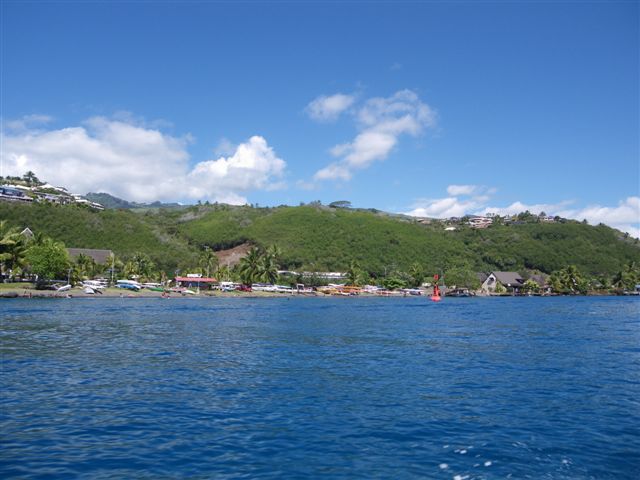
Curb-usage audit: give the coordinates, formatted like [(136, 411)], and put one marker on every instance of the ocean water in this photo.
[(332, 388)]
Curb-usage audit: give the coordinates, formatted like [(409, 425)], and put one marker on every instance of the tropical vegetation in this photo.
[(369, 245)]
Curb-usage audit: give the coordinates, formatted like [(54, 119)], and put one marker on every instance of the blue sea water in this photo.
[(332, 388)]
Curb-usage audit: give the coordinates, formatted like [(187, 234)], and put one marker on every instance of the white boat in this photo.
[(95, 284), (89, 290), (129, 285), (64, 288), (228, 286), (283, 289), (264, 287)]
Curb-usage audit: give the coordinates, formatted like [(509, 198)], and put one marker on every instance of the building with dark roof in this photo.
[(511, 281), (99, 256)]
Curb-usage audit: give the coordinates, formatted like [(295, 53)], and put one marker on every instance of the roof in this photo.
[(196, 279), (512, 279), (100, 256), (540, 279), (482, 276)]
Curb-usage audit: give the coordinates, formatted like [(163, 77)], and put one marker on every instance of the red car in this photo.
[(243, 288)]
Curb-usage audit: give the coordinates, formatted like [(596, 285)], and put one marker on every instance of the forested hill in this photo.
[(327, 239)]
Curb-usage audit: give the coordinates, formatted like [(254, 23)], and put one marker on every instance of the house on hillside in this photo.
[(13, 194), (512, 282), (99, 256), (480, 222)]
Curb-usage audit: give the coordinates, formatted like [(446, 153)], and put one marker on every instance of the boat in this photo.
[(412, 291), (64, 288), (94, 284), (460, 292)]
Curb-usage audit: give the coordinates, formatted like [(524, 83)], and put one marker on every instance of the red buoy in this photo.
[(436, 291)]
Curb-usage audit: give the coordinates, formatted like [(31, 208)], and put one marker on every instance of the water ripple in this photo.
[(355, 388)]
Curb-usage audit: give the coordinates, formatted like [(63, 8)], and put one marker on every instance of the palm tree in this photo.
[(354, 273), (208, 261), (250, 266), (140, 265), (531, 286), (223, 273), (417, 274), (13, 247), (275, 251), (628, 277), (85, 265), (268, 269), (31, 178), (569, 280)]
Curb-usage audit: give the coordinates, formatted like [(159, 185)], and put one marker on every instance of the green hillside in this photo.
[(121, 231), (328, 239), (321, 238)]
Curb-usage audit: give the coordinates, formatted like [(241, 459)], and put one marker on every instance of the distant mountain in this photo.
[(109, 201)]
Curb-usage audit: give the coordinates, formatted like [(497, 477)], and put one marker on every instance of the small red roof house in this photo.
[(195, 280)]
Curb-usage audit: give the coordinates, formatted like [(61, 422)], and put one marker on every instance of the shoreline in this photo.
[(39, 294)]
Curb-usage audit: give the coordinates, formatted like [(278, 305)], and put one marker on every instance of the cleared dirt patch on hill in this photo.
[(232, 256)]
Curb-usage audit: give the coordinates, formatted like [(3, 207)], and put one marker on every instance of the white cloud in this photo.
[(625, 216), (453, 206), (443, 207), (462, 201), (367, 147), (402, 105), (253, 166), (627, 211), (327, 108), (333, 171), (519, 207), (381, 122), (461, 189), (138, 163)]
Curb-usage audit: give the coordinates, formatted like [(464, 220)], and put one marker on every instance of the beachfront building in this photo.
[(99, 256), (195, 281), (511, 282)]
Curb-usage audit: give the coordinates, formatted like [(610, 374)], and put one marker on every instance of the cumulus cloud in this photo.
[(333, 171), (474, 200), (625, 216), (381, 122), (460, 202), (442, 207), (535, 208), (137, 162), (253, 166), (327, 108)]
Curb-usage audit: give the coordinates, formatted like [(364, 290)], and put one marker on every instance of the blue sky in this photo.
[(431, 108)]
